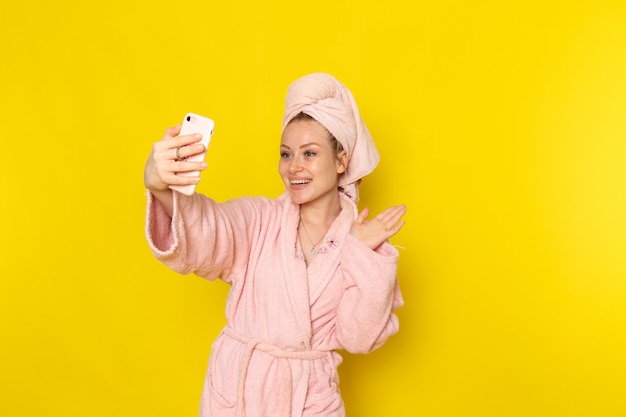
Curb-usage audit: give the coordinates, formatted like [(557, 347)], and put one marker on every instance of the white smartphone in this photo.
[(194, 123)]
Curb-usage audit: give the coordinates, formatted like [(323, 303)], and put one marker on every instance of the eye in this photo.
[(310, 153), (285, 154)]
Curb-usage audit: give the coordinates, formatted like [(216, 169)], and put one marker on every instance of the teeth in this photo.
[(300, 182)]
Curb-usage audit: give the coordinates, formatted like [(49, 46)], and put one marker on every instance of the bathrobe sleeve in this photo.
[(203, 237), (365, 315)]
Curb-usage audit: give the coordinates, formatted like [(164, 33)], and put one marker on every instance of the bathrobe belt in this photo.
[(282, 356)]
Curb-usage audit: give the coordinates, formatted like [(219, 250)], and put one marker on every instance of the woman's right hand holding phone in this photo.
[(169, 157)]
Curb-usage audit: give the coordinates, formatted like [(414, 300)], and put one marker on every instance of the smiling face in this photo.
[(309, 166)]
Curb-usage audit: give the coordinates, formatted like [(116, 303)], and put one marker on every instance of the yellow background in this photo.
[(501, 125)]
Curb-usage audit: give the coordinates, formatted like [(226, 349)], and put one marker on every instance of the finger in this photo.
[(392, 214), (184, 152), (181, 167), (395, 215), (362, 216), (389, 218), (395, 229), (173, 142), (185, 140), (173, 179), (172, 132), (385, 213), (167, 150)]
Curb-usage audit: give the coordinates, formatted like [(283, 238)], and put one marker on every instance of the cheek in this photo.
[(282, 166)]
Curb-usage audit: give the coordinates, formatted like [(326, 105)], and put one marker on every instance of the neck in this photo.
[(315, 221), (320, 214)]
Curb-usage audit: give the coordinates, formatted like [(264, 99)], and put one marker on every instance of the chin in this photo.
[(297, 199)]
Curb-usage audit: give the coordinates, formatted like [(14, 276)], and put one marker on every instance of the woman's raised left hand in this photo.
[(377, 230)]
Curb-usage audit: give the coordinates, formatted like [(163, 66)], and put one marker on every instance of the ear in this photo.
[(342, 162)]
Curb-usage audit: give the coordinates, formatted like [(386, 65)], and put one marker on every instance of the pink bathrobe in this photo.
[(277, 355)]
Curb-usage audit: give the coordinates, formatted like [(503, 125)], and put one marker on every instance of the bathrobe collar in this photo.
[(295, 271)]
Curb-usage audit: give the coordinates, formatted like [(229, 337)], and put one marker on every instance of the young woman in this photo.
[(309, 275)]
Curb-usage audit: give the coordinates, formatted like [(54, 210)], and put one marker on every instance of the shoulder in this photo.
[(257, 202), (255, 206)]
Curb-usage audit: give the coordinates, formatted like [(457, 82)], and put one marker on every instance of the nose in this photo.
[(294, 165)]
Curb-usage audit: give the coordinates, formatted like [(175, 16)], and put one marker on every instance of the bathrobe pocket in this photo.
[(323, 396), (223, 372)]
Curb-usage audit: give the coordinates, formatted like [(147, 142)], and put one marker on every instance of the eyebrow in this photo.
[(282, 145)]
